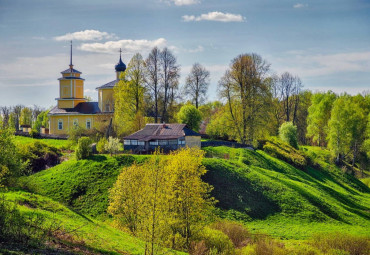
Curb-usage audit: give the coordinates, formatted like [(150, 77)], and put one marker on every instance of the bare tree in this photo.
[(36, 110), (5, 111), (169, 79), (17, 114), (153, 77), (197, 84)]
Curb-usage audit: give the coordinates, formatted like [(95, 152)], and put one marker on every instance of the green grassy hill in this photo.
[(265, 193)]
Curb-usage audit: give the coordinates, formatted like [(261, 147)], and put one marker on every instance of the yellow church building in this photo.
[(72, 107)]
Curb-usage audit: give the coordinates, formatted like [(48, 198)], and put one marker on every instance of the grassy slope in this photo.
[(96, 236), (60, 144), (267, 194)]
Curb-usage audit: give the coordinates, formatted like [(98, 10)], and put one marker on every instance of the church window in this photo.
[(60, 124), (88, 124)]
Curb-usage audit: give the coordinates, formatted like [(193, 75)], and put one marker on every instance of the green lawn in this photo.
[(60, 144)]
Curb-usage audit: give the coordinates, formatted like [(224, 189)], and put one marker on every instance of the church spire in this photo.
[(70, 64)]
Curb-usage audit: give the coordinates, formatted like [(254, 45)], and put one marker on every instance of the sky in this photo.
[(325, 43)]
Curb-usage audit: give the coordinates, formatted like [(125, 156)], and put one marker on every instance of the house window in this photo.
[(126, 142), (153, 143), (133, 142), (182, 142), (88, 124), (162, 142), (172, 142), (60, 124), (141, 143), (75, 122)]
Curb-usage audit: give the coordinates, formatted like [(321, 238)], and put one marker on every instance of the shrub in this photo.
[(236, 232), (112, 146), (334, 242), (34, 133), (216, 241), (267, 246), (39, 156), (190, 116), (83, 148), (288, 134), (100, 146)]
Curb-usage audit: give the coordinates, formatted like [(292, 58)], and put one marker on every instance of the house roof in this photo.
[(161, 132), (110, 84), (81, 108), (69, 71)]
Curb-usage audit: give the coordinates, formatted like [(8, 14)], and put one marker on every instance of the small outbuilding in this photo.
[(166, 136)]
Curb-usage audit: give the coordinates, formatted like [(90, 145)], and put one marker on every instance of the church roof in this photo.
[(108, 85), (69, 71), (81, 108)]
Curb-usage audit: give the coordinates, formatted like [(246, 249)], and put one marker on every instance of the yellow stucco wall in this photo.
[(192, 141), (69, 75), (71, 88), (106, 98), (65, 104)]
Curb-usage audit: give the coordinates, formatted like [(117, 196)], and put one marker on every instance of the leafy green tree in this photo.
[(319, 116), (366, 146), (190, 116), (26, 116), (129, 97), (100, 146), (42, 120), (112, 146), (288, 134), (83, 149)]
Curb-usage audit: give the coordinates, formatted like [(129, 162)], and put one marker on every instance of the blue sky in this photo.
[(325, 43)]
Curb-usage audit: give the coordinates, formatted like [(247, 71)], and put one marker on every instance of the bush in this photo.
[(112, 146), (39, 156), (190, 116), (334, 242), (83, 148), (100, 146), (288, 134), (34, 133), (215, 240), (236, 232)]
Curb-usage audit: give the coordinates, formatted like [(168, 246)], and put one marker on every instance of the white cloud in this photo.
[(185, 2), (215, 16), (127, 46), (86, 35), (309, 65), (300, 5)]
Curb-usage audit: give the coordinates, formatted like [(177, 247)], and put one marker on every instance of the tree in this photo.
[(112, 146), (129, 98), (26, 116), (246, 90), (366, 145), (288, 134), (169, 80), (17, 112), (5, 112), (190, 116), (319, 115), (197, 84), (83, 149), (163, 199), (42, 120), (153, 76)]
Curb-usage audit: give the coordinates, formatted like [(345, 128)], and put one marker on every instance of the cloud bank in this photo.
[(299, 5), (86, 35), (185, 2), (215, 16)]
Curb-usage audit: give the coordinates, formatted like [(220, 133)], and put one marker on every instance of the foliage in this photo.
[(236, 232), (197, 83), (220, 126), (318, 116), (83, 149), (39, 156), (288, 134), (10, 160), (26, 116), (190, 116), (163, 199), (216, 241), (100, 146), (41, 121), (113, 145)]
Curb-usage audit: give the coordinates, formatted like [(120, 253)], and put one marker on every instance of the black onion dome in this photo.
[(120, 67)]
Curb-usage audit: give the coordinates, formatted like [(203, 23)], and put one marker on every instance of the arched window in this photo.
[(75, 122), (60, 124), (88, 123)]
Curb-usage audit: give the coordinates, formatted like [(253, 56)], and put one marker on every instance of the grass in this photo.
[(76, 230), (265, 193), (60, 144)]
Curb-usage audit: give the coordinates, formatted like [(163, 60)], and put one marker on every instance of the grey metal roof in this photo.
[(162, 132), (81, 108), (69, 71), (110, 84)]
